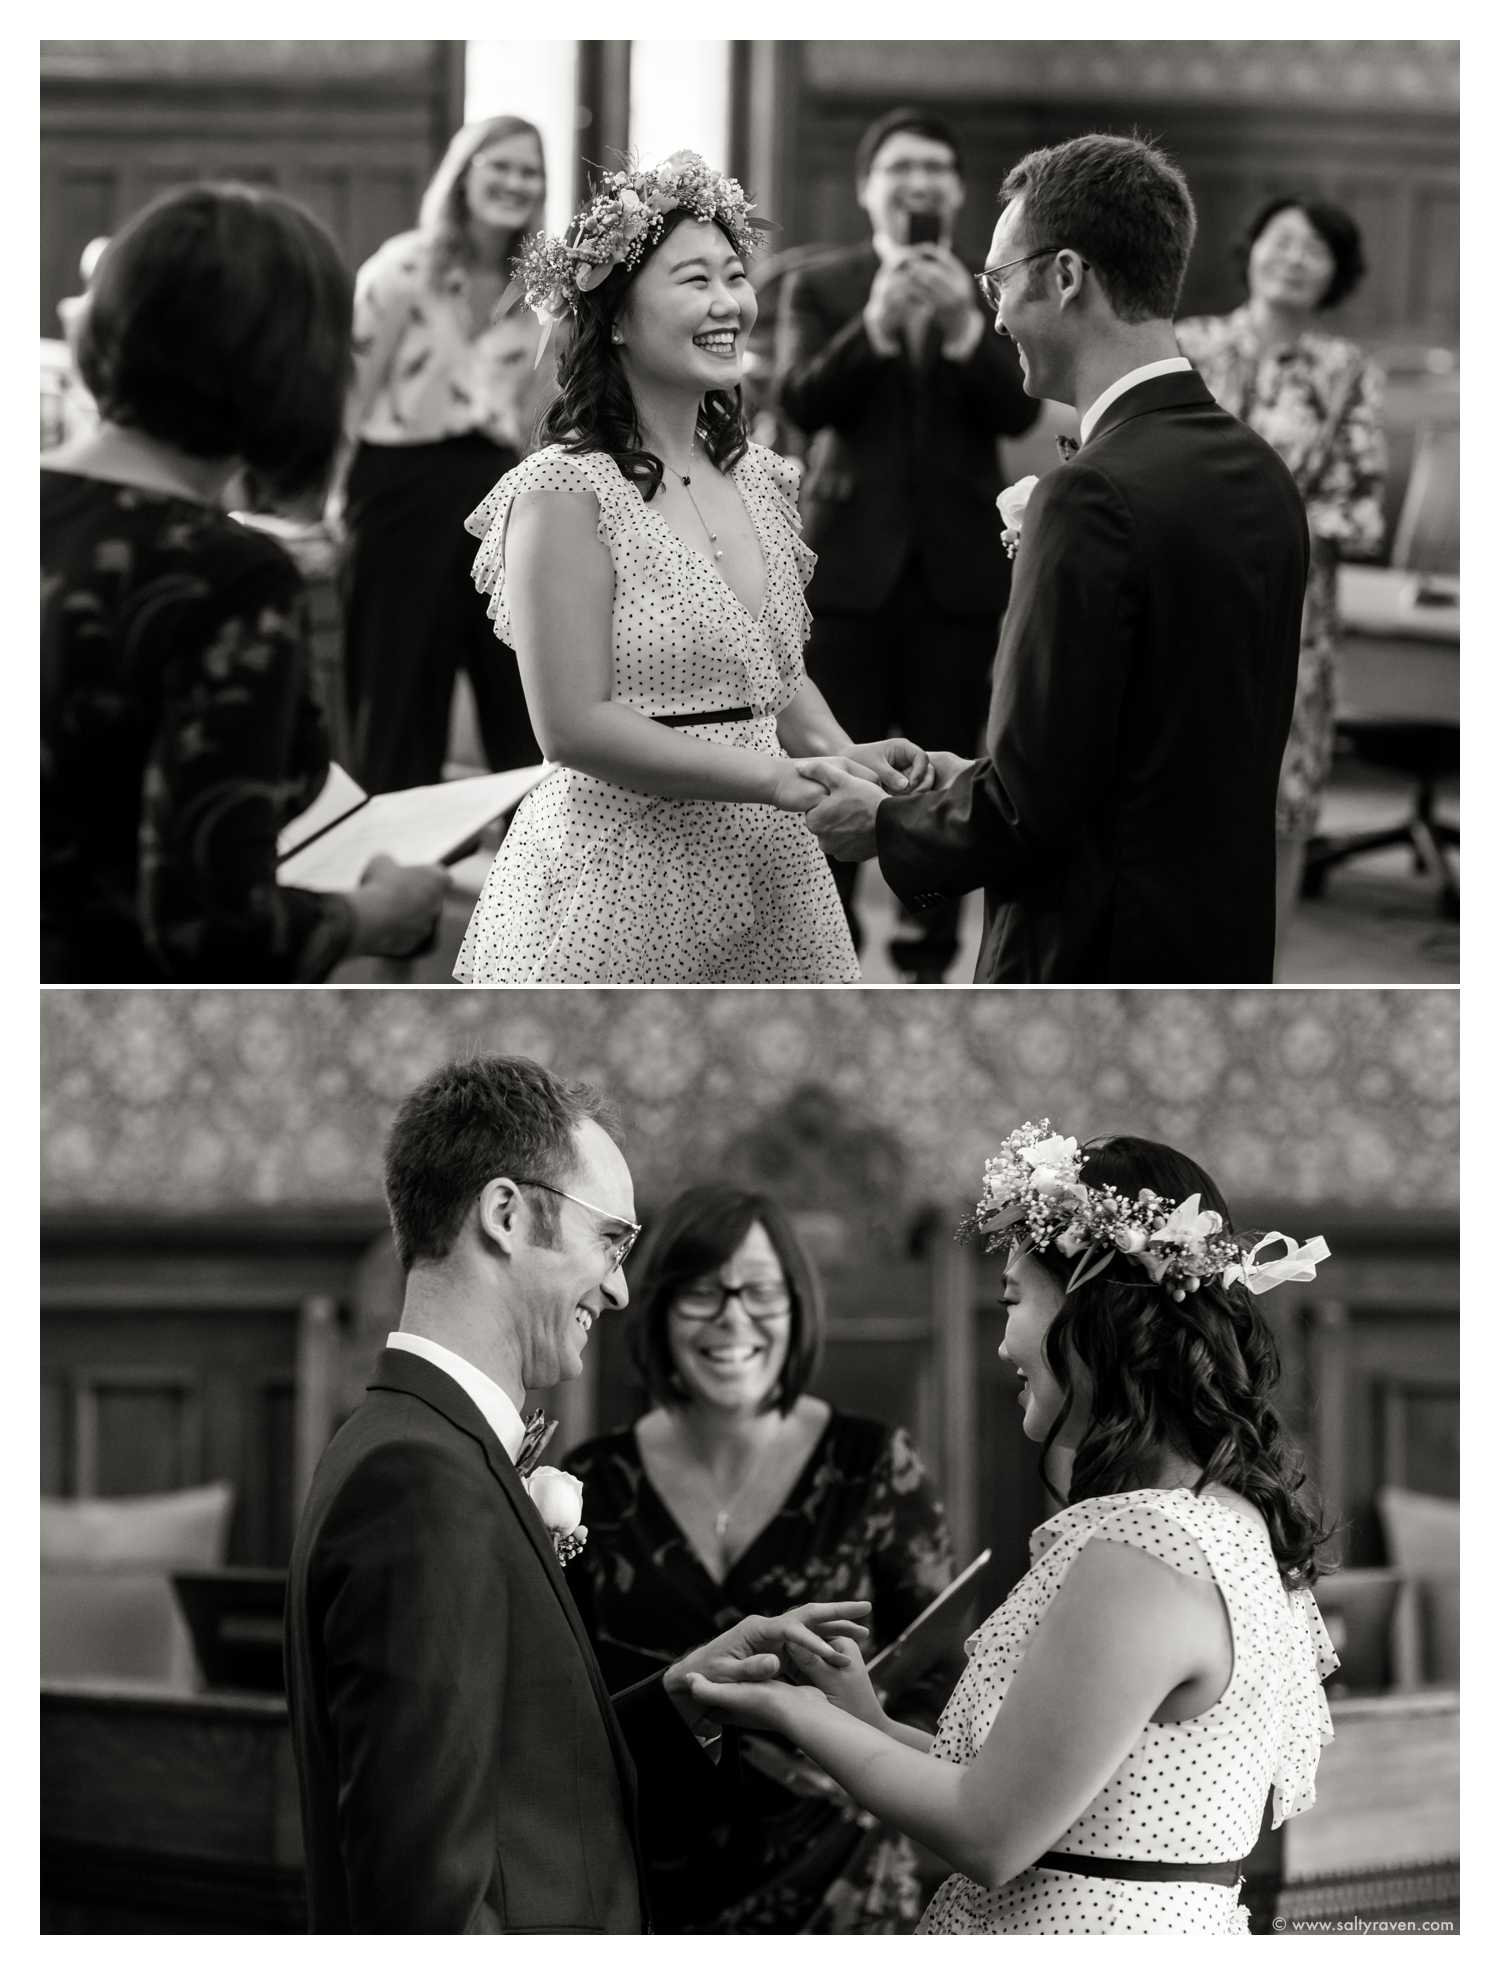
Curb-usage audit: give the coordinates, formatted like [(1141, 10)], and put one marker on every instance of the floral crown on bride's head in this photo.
[(1033, 1191), (623, 217)]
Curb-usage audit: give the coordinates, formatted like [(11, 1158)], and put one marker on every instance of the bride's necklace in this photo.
[(685, 480)]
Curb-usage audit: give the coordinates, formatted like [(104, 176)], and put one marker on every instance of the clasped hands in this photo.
[(751, 1654), (838, 794), (926, 278), (823, 1663)]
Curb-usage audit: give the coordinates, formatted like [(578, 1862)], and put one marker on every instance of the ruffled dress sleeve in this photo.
[(551, 471), (1308, 1659), (1143, 1525), (776, 481)]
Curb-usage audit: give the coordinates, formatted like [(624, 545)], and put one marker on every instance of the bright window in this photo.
[(537, 80), (679, 99)]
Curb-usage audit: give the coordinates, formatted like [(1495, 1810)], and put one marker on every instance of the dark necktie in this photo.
[(1066, 447)]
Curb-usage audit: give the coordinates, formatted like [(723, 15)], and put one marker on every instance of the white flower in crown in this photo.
[(557, 1497), (1012, 505), (1054, 1163), (1187, 1226)]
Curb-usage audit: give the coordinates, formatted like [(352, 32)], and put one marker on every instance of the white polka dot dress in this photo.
[(598, 883), (1188, 1790)]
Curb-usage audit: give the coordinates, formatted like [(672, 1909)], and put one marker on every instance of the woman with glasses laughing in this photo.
[(737, 1489)]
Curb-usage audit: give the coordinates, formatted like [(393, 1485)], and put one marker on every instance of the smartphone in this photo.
[(923, 229)]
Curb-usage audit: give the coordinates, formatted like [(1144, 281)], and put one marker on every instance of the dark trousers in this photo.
[(412, 616), (909, 668)]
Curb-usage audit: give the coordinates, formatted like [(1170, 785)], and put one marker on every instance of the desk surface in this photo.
[(1395, 603), (1387, 1788)]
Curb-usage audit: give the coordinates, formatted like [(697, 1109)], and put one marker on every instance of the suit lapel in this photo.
[(404, 1371)]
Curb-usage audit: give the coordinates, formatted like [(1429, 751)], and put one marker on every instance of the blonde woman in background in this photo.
[(441, 406)]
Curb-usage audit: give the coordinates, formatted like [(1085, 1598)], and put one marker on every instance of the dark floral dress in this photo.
[(1318, 402), (178, 735), (861, 1521)]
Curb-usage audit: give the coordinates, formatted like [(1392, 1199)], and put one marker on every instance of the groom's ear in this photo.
[(499, 1209)]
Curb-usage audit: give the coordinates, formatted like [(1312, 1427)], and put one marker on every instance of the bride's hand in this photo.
[(899, 765), (846, 1685), (800, 784), (764, 1704)]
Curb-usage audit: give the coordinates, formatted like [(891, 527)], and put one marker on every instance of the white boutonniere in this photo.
[(557, 1497), (1012, 506)]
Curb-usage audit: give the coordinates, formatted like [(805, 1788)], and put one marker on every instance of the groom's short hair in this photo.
[(471, 1120), (1120, 203)]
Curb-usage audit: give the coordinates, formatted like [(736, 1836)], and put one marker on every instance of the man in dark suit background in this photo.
[(462, 1768), (884, 362), (1122, 819)]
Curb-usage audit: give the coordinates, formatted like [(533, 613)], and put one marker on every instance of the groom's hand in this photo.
[(899, 764), (947, 767), (844, 821), (755, 1648)]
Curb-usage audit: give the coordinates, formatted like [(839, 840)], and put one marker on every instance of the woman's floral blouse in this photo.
[(861, 1521), (178, 736), (1288, 397), (421, 372)]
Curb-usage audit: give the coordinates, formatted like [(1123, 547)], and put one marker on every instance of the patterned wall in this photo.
[(218, 1098), (1405, 75)]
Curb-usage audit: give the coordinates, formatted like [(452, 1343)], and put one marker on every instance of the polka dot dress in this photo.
[(1189, 1790), (598, 883)]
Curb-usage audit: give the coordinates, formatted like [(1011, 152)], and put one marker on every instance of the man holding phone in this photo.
[(883, 359)]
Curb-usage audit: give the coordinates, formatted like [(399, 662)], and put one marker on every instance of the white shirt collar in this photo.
[(493, 1402), (1161, 368)]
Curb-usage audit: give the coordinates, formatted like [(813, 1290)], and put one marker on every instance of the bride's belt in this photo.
[(704, 719), (1226, 1873)]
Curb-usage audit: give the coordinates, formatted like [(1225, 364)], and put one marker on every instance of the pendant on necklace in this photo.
[(721, 1522)]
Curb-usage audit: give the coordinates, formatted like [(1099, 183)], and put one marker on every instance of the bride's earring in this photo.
[(615, 335)]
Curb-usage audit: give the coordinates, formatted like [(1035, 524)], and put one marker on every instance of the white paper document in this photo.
[(428, 825)]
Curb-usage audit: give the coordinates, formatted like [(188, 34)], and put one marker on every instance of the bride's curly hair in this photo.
[(1198, 1377), (593, 411)]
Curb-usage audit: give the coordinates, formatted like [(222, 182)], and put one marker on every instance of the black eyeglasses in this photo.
[(620, 1245), (702, 1302), (990, 288)]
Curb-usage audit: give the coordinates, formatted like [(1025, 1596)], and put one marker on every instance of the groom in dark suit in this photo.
[(462, 1768), (1122, 819)]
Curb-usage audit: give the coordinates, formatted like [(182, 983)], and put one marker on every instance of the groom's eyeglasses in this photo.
[(990, 285), (620, 1245)]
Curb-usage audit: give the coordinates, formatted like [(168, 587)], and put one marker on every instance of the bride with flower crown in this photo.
[(1106, 1758), (647, 567)]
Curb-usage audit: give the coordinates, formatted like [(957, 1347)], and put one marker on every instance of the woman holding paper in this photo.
[(178, 730), (736, 1489), (1105, 1760)]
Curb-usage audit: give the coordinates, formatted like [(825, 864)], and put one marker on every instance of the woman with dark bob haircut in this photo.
[(647, 567), (1104, 1763), (1317, 399), (739, 1486), (178, 732)]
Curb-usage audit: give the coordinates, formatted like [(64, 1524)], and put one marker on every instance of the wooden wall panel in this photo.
[(175, 1353), (351, 129)]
